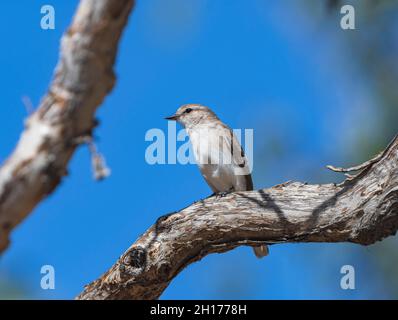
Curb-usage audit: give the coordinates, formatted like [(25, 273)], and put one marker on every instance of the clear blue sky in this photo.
[(272, 68)]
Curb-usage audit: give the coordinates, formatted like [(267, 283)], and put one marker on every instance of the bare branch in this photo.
[(362, 210), (362, 166), (82, 79)]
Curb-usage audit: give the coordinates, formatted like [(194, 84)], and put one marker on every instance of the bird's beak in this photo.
[(173, 117)]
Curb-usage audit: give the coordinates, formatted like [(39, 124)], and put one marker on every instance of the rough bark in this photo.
[(82, 79), (363, 209)]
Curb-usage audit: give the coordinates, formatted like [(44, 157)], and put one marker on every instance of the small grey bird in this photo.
[(217, 152)]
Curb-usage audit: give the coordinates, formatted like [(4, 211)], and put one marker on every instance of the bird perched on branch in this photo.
[(217, 152)]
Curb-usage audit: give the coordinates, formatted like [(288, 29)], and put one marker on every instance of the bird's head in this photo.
[(190, 115)]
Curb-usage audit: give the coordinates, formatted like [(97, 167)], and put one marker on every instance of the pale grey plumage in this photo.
[(217, 152)]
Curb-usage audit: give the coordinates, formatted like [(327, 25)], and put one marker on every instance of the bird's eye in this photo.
[(188, 110)]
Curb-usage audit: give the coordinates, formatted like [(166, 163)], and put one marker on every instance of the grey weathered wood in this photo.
[(82, 79), (362, 210)]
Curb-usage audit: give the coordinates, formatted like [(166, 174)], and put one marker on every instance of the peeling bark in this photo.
[(82, 79), (363, 210)]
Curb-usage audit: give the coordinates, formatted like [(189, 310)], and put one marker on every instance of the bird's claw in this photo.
[(222, 194)]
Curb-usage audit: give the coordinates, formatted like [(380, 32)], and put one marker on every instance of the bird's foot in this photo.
[(222, 194)]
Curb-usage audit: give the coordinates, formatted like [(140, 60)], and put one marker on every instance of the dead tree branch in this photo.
[(82, 79), (361, 210)]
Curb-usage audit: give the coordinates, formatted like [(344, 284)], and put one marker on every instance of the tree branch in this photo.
[(82, 79), (362, 210)]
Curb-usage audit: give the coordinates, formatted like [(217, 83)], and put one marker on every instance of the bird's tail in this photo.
[(261, 251)]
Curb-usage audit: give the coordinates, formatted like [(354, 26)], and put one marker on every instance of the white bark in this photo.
[(82, 79)]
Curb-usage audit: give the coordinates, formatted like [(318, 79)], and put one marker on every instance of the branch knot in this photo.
[(136, 258)]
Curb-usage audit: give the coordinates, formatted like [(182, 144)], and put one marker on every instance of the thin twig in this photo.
[(364, 165)]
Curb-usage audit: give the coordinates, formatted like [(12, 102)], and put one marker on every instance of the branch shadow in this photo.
[(330, 202), (267, 202)]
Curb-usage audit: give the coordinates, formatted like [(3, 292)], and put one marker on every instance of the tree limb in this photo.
[(361, 210), (82, 79)]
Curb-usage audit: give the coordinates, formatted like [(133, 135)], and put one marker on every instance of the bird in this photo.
[(217, 152)]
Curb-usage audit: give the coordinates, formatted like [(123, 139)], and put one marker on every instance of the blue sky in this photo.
[(274, 69)]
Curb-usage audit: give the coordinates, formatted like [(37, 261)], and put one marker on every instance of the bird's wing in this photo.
[(233, 152)]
